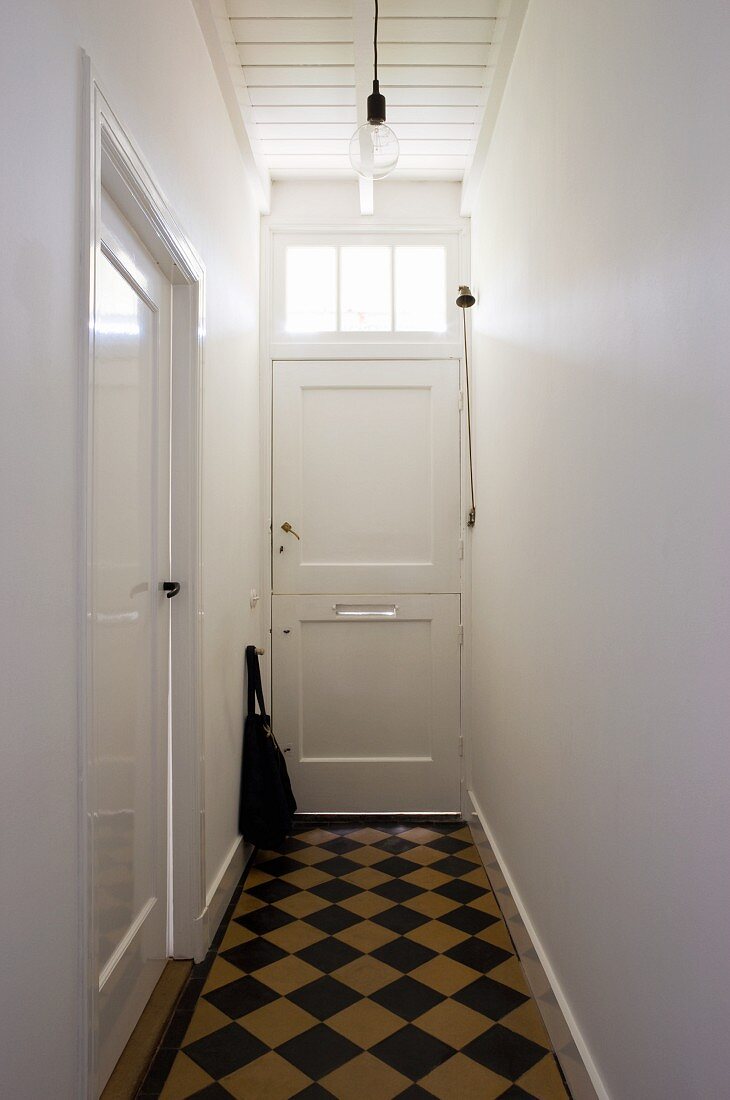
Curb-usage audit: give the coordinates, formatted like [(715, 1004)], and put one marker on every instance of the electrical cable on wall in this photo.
[(465, 301)]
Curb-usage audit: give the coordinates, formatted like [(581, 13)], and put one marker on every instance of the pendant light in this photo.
[(374, 147)]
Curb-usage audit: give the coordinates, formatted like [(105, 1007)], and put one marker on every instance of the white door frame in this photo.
[(111, 160), (270, 352)]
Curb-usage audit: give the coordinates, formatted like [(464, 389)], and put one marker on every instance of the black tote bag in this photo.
[(267, 801)]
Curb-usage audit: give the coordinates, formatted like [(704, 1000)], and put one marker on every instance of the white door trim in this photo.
[(111, 159)]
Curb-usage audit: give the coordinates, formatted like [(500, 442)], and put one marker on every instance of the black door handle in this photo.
[(171, 587)]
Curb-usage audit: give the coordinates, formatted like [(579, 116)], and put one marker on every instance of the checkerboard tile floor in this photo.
[(360, 961)]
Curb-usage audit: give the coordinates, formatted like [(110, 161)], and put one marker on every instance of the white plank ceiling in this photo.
[(302, 70)]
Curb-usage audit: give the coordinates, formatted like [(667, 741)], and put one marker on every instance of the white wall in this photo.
[(601, 258), (151, 59)]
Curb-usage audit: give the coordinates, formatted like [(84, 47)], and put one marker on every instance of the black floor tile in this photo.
[(324, 997), (400, 919), (318, 1051), (335, 890), (460, 891), (492, 999), (397, 890), (264, 920), (338, 866), (478, 954), (225, 1051), (280, 865), (332, 919), (412, 1052), (253, 955), (403, 954), (452, 865), (505, 1052), (396, 866), (275, 890), (314, 1092), (395, 845), (328, 955), (468, 919), (240, 997), (341, 846), (407, 998)]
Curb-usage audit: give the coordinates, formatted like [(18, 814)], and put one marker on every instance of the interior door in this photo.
[(366, 565), (366, 473), (130, 558)]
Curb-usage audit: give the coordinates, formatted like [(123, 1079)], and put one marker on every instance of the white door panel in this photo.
[(366, 472), (130, 535), (366, 700)]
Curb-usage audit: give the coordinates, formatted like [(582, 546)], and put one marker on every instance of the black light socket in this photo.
[(376, 104)]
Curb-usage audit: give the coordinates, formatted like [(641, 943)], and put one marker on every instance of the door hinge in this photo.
[(461, 399), (461, 633), (461, 548), (461, 746)]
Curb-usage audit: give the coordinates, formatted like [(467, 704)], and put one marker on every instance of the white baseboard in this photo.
[(570, 1046), (222, 887)]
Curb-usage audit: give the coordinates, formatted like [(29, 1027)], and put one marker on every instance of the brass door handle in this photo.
[(289, 529)]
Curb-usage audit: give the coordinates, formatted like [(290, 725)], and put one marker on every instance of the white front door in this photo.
[(130, 558), (367, 577)]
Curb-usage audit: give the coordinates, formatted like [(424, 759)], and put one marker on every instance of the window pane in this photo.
[(420, 288), (311, 289), (365, 293)]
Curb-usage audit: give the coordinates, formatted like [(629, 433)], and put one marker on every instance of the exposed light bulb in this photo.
[(374, 150)]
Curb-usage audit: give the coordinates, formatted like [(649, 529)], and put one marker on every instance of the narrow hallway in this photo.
[(360, 961)]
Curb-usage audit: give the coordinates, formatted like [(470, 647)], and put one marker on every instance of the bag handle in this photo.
[(255, 689)]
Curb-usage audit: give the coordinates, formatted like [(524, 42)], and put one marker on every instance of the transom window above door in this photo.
[(360, 288)]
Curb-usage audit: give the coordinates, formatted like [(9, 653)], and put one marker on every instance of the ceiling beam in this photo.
[(216, 27), (363, 14), (509, 25)]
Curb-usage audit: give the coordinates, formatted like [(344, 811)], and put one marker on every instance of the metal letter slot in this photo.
[(365, 611)]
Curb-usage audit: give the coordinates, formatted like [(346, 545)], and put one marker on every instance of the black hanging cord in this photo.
[(465, 301), (375, 43)]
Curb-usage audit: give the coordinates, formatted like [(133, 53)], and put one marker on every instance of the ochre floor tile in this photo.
[(498, 935), (424, 856), (205, 1020), (365, 1023), (431, 905), (295, 937), (256, 877), (365, 1078), (445, 975), (185, 1079), (221, 973), (270, 1076), (463, 1078), (287, 974), (544, 1081), (453, 1023), (316, 836), (366, 878), (235, 935), (312, 856), (437, 936), (527, 1021), (510, 973), (306, 877), (366, 975), (247, 903), (366, 904), (420, 835), (366, 936), (477, 877), (277, 1022), (367, 856), (426, 878), (488, 904), (302, 904), (368, 835)]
